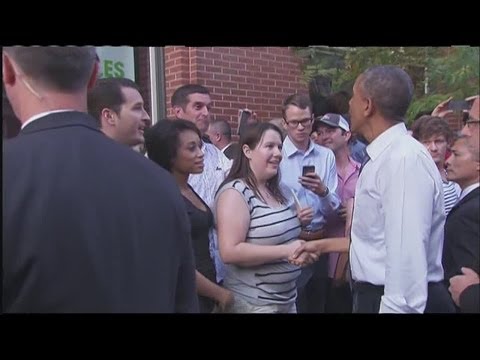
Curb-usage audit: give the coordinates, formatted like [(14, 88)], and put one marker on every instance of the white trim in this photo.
[(153, 84)]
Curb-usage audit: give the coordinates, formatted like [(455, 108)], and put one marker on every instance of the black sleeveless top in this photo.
[(200, 224)]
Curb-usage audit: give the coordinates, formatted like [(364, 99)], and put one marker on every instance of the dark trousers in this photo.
[(339, 298), (367, 297), (312, 297)]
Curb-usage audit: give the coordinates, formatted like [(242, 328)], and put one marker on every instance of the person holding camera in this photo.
[(308, 172)]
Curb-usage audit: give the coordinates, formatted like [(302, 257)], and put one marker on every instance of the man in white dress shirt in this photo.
[(397, 229), (316, 190), (192, 102)]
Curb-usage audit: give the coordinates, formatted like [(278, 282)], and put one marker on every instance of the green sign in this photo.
[(116, 61)]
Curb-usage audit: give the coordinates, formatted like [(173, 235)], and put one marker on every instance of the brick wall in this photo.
[(258, 78), (177, 71), (455, 121)]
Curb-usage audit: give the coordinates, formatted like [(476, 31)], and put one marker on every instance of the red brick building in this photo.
[(258, 78), (255, 77)]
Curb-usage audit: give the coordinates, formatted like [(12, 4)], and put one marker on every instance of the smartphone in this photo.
[(458, 105), (308, 169), (243, 116)]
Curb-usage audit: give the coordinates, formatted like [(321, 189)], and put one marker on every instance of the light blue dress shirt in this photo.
[(291, 169)]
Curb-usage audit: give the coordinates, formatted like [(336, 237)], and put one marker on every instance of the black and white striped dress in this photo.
[(451, 193), (272, 283)]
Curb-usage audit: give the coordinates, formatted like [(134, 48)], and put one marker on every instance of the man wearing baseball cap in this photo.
[(336, 136), (335, 121)]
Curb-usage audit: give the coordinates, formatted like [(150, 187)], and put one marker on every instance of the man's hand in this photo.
[(312, 182), (225, 300), (304, 259), (308, 251), (459, 283), (441, 110), (305, 215), (342, 212), (474, 111)]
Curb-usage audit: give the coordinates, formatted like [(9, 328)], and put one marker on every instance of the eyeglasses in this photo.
[(470, 120), (294, 123)]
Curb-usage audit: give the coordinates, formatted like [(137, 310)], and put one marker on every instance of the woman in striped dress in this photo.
[(257, 231)]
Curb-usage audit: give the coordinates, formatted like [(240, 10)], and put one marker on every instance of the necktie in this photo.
[(365, 161)]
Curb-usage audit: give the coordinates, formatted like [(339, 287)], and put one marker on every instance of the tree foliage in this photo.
[(437, 72)]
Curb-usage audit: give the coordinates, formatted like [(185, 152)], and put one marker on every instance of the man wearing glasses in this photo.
[(314, 187)]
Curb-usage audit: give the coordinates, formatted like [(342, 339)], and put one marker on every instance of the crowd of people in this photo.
[(332, 208)]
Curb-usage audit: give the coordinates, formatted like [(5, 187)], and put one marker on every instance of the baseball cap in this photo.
[(335, 120)]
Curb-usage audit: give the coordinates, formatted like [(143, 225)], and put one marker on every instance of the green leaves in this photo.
[(441, 71)]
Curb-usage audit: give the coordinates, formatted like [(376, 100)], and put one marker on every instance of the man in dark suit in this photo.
[(88, 224), (220, 134), (465, 290), (462, 230)]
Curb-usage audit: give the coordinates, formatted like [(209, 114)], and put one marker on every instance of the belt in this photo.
[(312, 235), (366, 286)]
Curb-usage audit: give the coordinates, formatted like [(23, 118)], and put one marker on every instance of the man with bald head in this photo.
[(220, 134)]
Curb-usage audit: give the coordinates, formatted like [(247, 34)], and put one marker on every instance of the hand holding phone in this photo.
[(458, 105), (307, 169), (244, 115)]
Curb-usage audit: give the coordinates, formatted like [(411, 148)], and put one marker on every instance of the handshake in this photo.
[(304, 253)]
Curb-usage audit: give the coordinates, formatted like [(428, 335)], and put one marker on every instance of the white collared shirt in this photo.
[(468, 190), (38, 116), (291, 169), (398, 222), (216, 168)]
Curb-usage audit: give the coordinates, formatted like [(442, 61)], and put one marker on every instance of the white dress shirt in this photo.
[(216, 168), (38, 116), (291, 169), (398, 222)]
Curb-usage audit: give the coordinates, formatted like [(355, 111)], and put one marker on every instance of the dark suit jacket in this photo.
[(469, 299), (231, 150), (462, 236), (89, 225)]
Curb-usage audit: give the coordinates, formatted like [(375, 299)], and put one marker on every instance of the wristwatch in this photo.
[(326, 192)]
